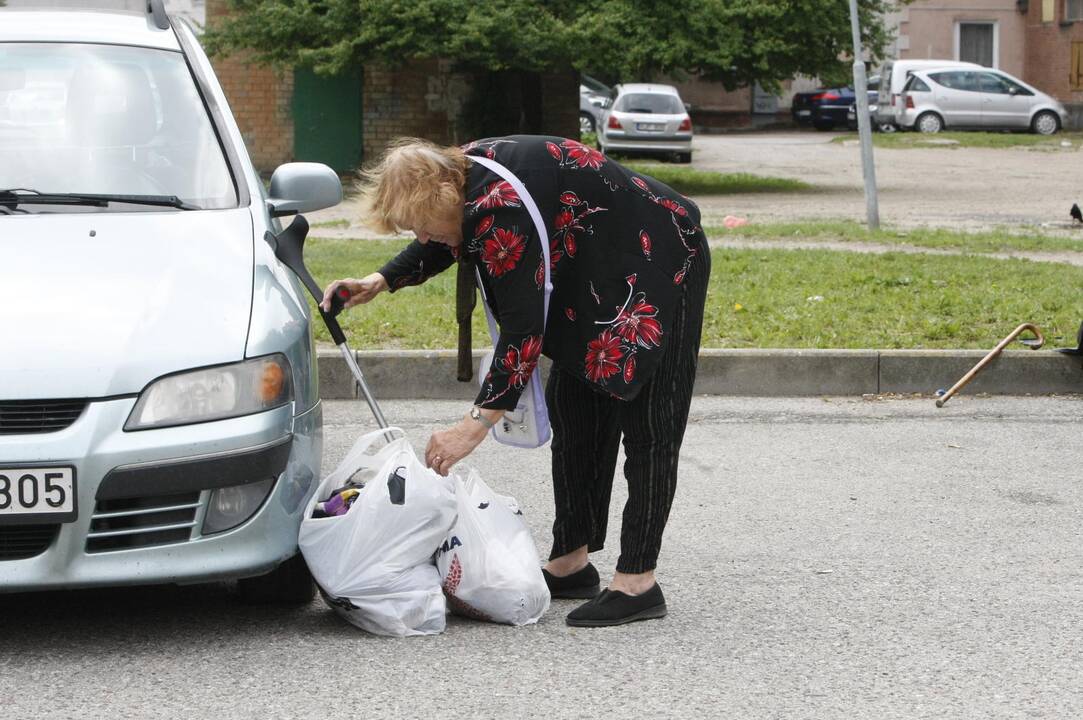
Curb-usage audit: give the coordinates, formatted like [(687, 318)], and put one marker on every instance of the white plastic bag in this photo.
[(489, 562), (374, 565)]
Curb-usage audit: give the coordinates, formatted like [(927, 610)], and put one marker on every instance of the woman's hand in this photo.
[(361, 291), (448, 447)]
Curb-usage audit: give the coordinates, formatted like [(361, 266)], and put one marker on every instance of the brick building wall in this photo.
[(260, 100), (1050, 39)]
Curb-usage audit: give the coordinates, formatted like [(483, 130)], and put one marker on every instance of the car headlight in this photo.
[(214, 393)]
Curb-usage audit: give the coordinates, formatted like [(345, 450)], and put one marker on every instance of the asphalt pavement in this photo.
[(826, 558)]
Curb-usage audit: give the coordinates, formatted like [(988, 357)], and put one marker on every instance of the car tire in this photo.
[(1045, 123), (929, 122), (586, 123), (288, 584), (684, 158), (888, 127)]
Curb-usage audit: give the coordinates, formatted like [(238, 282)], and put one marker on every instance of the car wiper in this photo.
[(19, 196)]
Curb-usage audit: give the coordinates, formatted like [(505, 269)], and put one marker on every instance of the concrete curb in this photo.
[(430, 374)]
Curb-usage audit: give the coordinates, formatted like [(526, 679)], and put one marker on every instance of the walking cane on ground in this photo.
[(1033, 343)]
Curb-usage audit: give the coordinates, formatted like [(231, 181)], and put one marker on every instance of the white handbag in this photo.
[(526, 426)]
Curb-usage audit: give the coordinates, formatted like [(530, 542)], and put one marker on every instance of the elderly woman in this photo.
[(629, 268)]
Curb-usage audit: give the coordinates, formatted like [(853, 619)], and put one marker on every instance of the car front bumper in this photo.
[(151, 472)]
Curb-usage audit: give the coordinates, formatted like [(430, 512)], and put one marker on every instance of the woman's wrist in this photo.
[(481, 420)]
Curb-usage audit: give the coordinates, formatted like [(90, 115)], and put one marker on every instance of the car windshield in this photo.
[(107, 120), (650, 103)]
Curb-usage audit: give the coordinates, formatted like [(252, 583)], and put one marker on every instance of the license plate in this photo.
[(37, 494), (650, 127), (804, 113)]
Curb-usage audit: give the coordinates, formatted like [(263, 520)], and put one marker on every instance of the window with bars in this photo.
[(1073, 10)]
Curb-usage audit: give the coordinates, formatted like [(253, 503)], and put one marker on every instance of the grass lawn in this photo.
[(688, 181), (772, 298), (906, 140), (848, 231)]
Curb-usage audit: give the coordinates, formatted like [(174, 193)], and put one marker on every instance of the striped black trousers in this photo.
[(587, 427)]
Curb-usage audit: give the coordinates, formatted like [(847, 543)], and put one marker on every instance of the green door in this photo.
[(327, 118)]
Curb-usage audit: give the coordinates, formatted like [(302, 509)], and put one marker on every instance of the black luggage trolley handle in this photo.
[(289, 246)]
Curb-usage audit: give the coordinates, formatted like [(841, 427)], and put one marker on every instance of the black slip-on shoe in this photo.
[(616, 608), (577, 586)]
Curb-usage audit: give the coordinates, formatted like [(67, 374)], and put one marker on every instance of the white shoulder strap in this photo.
[(539, 224)]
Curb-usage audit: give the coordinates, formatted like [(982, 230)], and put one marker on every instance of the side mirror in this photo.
[(303, 187), (1013, 91)]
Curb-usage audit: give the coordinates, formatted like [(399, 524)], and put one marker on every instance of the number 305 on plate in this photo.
[(37, 495)]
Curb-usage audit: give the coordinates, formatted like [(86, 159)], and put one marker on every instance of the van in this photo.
[(895, 73)]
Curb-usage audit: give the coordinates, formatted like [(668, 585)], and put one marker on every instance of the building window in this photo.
[(1073, 10), (976, 43), (1049, 10), (1077, 66)]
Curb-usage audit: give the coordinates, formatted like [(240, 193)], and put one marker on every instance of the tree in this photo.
[(507, 43), (737, 42)]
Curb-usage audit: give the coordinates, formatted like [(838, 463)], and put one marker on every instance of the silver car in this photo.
[(985, 99), (159, 415), (647, 118)]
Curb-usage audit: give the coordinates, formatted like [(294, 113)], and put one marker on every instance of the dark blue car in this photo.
[(827, 108)]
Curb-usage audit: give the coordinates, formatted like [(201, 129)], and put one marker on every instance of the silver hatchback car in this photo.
[(975, 99), (647, 118), (159, 414)]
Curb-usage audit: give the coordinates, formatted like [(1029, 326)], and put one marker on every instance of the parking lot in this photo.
[(826, 558), (968, 189), (942, 186)]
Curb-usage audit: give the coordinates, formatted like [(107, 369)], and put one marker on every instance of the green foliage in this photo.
[(734, 41)]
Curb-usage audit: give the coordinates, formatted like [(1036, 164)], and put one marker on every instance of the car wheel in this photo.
[(887, 127), (288, 584), (929, 122), (1045, 123), (586, 123), (684, 158)]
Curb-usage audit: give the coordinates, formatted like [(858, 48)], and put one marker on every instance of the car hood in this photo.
[(99, 304)]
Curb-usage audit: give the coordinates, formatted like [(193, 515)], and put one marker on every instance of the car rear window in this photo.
[(649, 103), (916, 84)]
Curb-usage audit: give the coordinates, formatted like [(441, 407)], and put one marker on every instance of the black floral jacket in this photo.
[(621, 244)]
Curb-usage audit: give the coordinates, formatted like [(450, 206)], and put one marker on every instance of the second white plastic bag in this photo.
[(489, 562), (374, 564)]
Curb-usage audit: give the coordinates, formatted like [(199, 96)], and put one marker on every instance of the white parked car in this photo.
[(893, 77), (647, 118), (985, 99), (159, 414)]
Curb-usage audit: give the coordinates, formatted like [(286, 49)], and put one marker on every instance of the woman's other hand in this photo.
[(361, 291), (448, 447)]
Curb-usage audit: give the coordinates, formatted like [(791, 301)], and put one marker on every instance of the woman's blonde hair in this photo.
[(414, 184)]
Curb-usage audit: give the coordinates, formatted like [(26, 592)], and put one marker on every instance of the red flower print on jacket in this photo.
[(520, 362), (603, 357), (637, 324), (502, 251), (582, 156), (569, 222), (496, 195)]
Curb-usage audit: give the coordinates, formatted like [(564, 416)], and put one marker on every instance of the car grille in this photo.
[(18, 542), (19, 417), (142, 522)]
